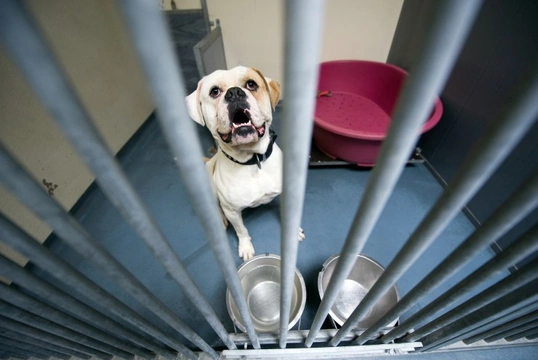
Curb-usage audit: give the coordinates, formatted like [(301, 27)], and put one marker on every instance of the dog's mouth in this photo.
[(242, 127)]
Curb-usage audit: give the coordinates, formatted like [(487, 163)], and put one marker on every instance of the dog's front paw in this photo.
[(246, 250), (302, 235)]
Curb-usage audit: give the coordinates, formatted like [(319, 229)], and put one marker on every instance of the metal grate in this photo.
[(31, 328)]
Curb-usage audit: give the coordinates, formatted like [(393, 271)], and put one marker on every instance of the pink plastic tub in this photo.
[(351, 123)]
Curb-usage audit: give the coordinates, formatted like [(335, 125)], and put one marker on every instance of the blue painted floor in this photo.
[(332, 198)]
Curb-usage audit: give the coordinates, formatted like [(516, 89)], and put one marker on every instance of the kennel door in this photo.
[(209, 52)]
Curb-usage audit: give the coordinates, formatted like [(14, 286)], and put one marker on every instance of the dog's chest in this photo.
[(243, 186)]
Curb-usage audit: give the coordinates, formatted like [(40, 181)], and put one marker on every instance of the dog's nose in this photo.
[(234, 94)]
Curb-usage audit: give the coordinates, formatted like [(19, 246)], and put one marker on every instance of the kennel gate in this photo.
[(31, 328)]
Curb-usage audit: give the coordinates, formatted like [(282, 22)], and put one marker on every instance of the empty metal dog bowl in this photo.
[(260, 278), (363, 276)]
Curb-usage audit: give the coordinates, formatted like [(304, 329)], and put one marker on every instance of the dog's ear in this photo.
[(273, 87), (194, 106), (274, 91)]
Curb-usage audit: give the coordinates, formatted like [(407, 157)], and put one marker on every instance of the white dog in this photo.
[(236, 106)]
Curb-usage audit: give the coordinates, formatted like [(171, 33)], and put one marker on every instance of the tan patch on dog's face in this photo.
[(209, 105)]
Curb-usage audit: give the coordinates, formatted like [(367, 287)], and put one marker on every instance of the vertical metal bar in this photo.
[(50, 83), (4, 354), (523, 247), (492, 332), (446, 38), (18, 354), (464, 327), (503, 287), (507, 215), (14, 313), (530, 325), (525, 333), (31, 305), (63, 301), (304, 22), (41, 344), (486, 155), (33, 348), (18, 327), (150, 37), (12, 345)]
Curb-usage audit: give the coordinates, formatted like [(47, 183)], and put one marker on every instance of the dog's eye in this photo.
[(251, 85), (214, 92)]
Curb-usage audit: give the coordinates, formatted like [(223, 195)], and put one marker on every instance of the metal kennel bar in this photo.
[(24, 339), (165, 81), (304, 30), (530, 332), (45, 259), (509, 213), (517, 332), (526, 315), (45, 352), (487, 154), (31, 331), (520, 310), (51, 86), (526, 245), (22, 316), (453, 22), (465, 326), (34, 314)]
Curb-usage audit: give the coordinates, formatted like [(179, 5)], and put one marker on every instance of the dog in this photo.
[(237, 107)]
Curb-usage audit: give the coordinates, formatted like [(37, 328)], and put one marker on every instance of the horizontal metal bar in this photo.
[(518, 250), (427, 79), (165, 81), (296, 337), (51, 86), (345, 352), (304, 23), (508, 214), (18, 327), (524, 318), (51, 263), (31, 305), (465, 326), (42, 344), (4, 341), (22, 316), (516, 332)]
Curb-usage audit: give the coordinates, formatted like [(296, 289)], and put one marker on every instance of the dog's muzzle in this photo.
[(240, 117)]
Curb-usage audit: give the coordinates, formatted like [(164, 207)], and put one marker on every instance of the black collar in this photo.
[(257, 159)]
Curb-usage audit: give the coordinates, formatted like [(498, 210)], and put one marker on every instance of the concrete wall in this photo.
[(90, 41), (354, 29)]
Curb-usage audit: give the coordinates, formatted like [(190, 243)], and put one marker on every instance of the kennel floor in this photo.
[(331, 200)]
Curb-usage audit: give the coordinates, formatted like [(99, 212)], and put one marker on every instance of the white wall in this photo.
[(90, 40), (354, 29)]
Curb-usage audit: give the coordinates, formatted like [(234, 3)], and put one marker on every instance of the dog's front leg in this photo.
[(246, 250)]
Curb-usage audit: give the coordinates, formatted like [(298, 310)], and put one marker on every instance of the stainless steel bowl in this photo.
[(363, 276), (260, 278)]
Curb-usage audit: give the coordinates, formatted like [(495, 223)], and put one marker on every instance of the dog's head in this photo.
[(235, 105)]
